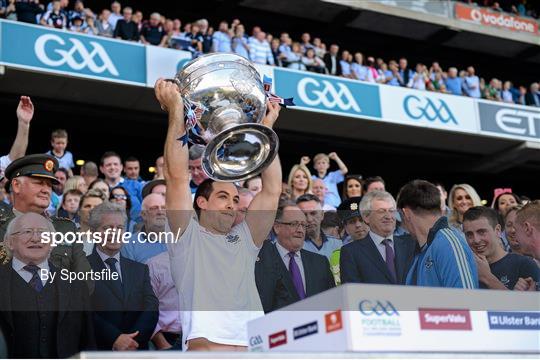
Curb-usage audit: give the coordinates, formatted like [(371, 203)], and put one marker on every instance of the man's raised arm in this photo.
[(262, 210), (176, 173), (25, 113)]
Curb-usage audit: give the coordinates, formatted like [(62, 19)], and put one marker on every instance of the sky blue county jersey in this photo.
[(445, 260)]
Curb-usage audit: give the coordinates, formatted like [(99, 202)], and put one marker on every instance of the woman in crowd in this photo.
[(120, 196), (504, 202), (76, 183), (70, 206), (100, 184), (352, 186), (312, 62), (90, 200), (462, 197), (299, 181)]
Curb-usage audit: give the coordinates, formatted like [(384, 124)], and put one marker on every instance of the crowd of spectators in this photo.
[(529, 8), (310, 54), (333, 233)]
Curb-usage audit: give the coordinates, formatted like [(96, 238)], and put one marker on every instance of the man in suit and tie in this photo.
[(381, 257), (285, 273), (126, 309), (331, 60), (42, 315)]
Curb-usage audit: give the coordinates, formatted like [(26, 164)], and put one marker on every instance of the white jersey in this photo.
[(215, 278)]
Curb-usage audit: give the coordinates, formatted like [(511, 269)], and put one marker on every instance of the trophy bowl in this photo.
[(226, 92)]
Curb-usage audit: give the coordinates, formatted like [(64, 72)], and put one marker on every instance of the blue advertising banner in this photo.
[(44, 49), (328, 94)]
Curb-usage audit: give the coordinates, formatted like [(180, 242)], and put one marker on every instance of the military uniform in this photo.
[(63, 256)]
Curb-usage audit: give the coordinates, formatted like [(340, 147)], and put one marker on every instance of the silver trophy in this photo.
[(228, 102)]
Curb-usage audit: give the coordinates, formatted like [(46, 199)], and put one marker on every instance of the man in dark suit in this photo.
[(42, 314), (532, 98), (331, 61), (284, 272), (126, 309), (381, 257)]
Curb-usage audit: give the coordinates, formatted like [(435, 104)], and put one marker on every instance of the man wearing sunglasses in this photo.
[(286, 273), (444, 258)]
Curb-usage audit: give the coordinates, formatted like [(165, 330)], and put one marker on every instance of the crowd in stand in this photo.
[(517, 7), (237, 253), (310, 54)]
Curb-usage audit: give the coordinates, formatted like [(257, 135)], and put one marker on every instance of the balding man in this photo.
[(528, 235), (286, 273), (319, 189), (145, 244), (43, 315)]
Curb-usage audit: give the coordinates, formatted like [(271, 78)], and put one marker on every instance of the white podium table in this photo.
[(403, 319)]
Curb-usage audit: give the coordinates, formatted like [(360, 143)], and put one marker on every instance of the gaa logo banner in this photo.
[(328, 93), (41, 48), (428, 109)]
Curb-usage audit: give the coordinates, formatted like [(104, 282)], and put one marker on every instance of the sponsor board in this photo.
[(305, 330), (328, 94), (379, 318), (333, 321), (444, 319), (164, 63), (502, 20), (428, 109), (45, 49), (508, 120), (277, 339), (508, 320)]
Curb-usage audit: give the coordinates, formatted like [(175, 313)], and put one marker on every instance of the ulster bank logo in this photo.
[(53, 51), (424, 108), (330, 95)]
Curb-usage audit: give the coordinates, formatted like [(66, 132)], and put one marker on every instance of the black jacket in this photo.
[(361, 262), (134, 309), (274, 281), (74, 329), (328, 62)]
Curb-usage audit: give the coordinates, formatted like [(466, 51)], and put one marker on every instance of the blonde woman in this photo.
[(299, 181), (462, 197), (76, 183)]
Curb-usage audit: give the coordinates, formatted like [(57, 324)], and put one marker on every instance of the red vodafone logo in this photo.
[(277, 339), (444, 319)]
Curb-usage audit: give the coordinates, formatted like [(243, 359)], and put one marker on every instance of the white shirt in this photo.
[(104, 257), (378, 241), (18, 266), (216, 272), (4, 163), (284, 253)]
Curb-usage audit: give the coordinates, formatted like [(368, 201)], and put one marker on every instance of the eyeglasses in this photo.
[(119, 196), (294, 224), (383, 212), (26, 234)]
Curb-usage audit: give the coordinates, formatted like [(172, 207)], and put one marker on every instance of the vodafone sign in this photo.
[(482, 16)]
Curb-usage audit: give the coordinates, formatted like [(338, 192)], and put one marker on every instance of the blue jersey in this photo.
[(444, 261)]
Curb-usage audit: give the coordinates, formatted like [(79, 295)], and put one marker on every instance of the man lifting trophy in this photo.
[(218, 100)]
